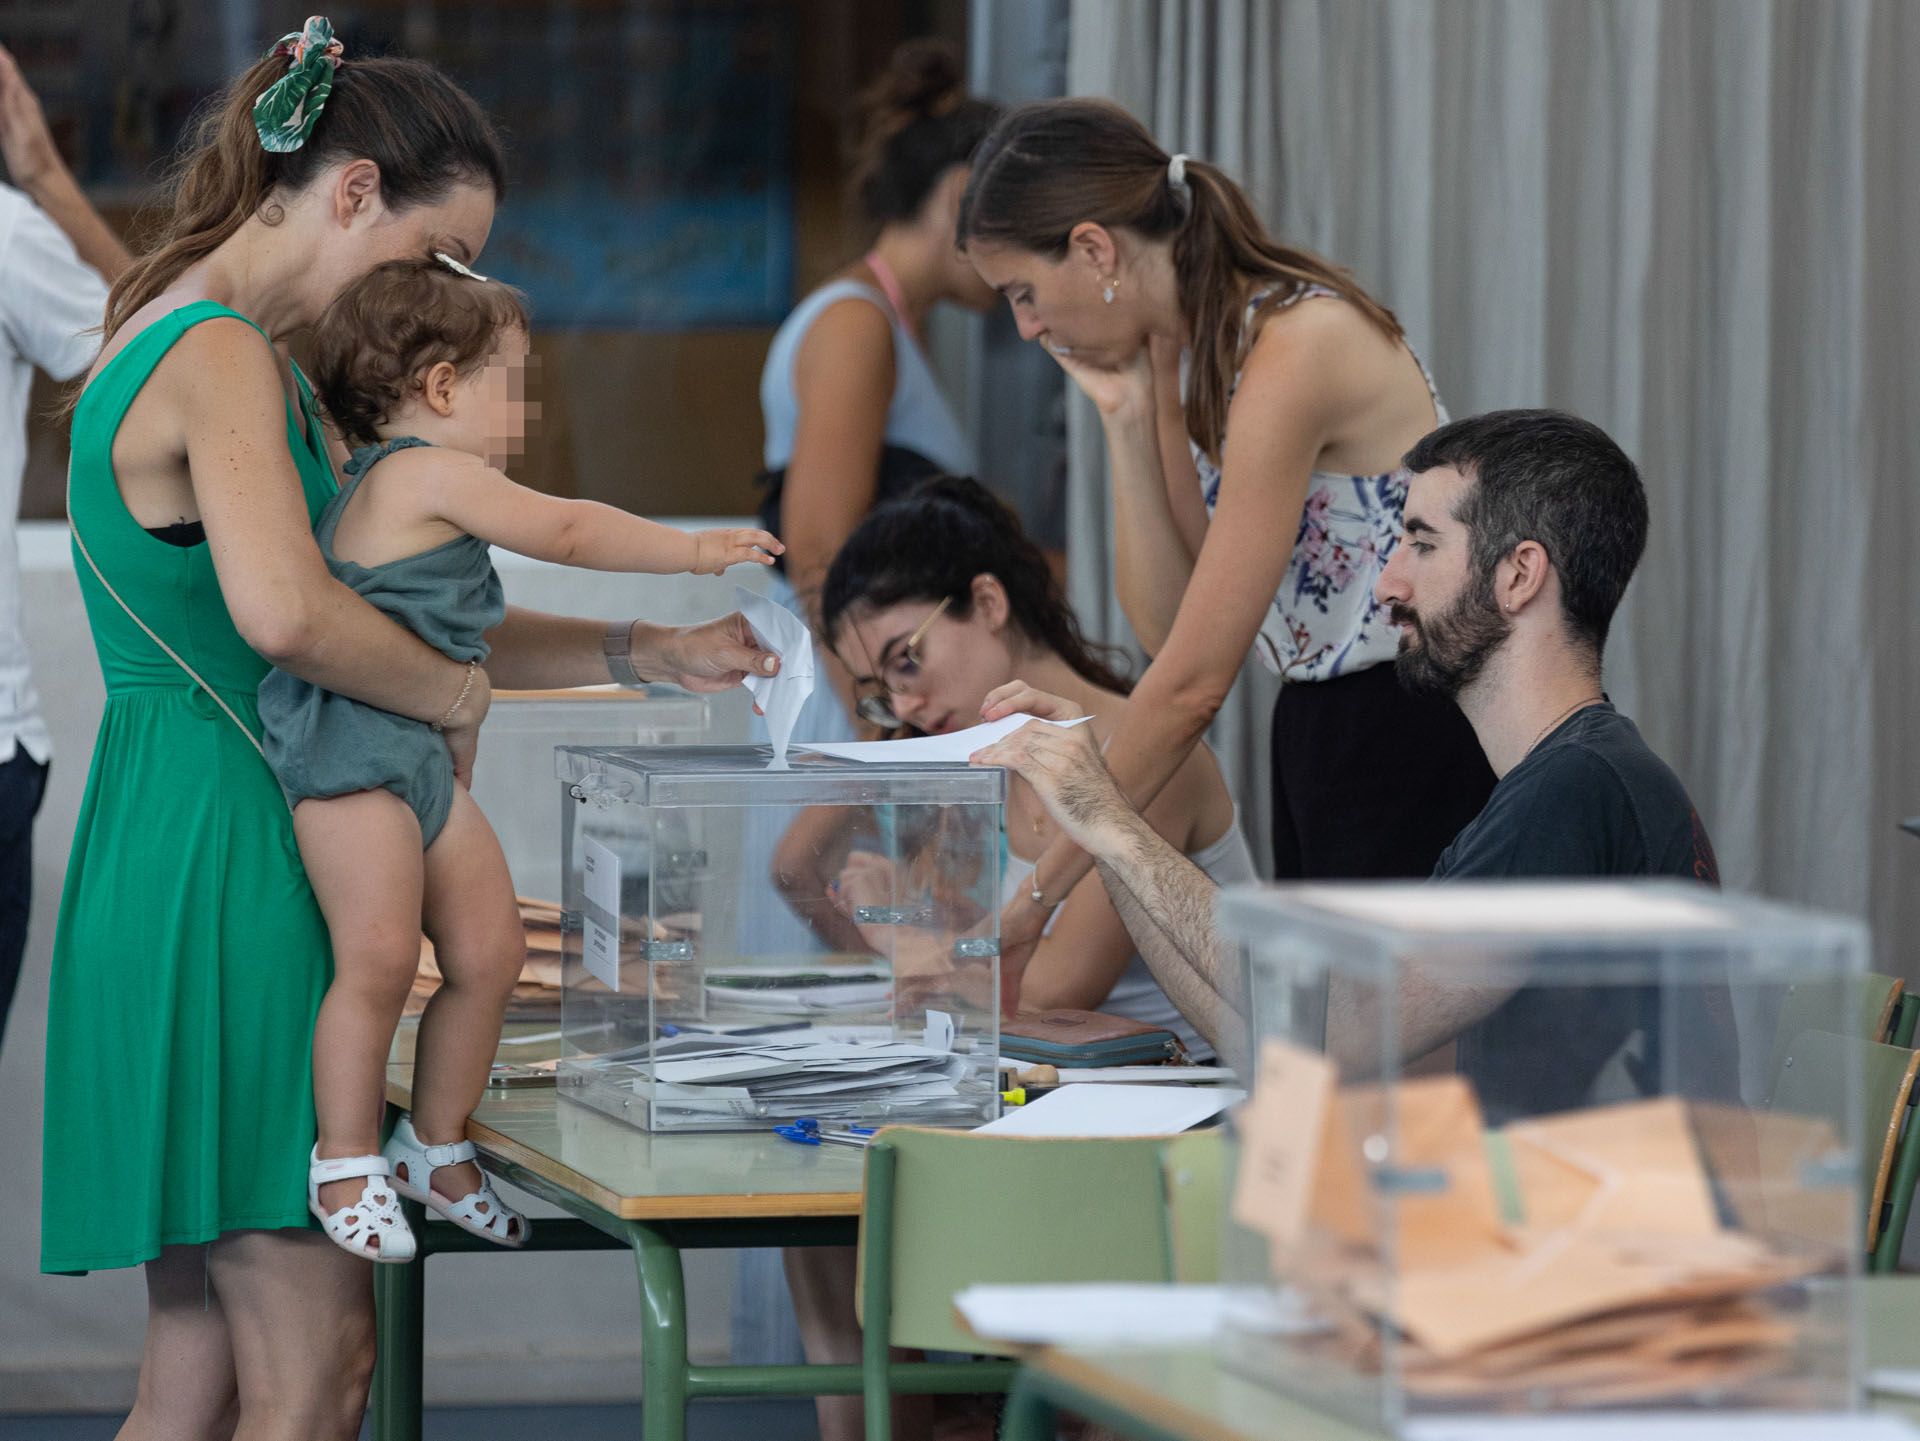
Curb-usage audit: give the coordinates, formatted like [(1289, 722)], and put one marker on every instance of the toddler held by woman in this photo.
[(422, 365)]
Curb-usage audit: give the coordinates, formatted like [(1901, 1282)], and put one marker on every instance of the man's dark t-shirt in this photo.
[(1590, 800)]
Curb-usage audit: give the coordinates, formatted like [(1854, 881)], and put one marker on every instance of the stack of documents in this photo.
[(803, 1074)]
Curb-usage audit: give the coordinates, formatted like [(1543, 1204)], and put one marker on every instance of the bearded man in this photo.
[(1521, 531)]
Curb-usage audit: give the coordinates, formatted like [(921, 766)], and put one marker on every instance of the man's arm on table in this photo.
[(1163, 899)]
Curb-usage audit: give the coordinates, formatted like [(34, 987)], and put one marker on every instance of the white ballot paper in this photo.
[(957, 746), (1121, 1313), (1115, 1111), (779, 696)]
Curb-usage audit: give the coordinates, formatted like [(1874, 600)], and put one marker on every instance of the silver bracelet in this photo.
[(618, 646), (465, 690)]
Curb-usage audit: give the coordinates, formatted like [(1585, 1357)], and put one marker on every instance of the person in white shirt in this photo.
[(56, 258)]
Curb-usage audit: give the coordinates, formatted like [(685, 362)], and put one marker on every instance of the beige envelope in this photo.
[(1645, 1158)]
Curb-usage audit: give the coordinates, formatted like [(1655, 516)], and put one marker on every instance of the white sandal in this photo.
[(375, 1217), (412, 1164)]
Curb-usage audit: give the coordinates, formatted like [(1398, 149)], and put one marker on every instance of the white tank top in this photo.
[(1136, 994), (918, 416)]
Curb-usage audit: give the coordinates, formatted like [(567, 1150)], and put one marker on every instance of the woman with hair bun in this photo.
[(853, 412), (1256, 403), (190, 956)]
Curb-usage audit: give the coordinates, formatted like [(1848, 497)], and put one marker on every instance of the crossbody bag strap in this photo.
[(172, 654)]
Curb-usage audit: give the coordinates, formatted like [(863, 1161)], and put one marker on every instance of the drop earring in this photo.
[(1108, 292)]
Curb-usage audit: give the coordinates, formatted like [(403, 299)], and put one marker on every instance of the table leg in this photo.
[(663, 1334), (400, 1310), (1029, 1415)]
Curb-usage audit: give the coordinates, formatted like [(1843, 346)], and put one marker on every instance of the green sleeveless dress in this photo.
[(190, 955)]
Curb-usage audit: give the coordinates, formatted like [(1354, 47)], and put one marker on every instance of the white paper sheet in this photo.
[(779, 696), (1116, 1111), (1095, 1314), (939, 1031), (719, 1070), (956, 746), (1669, 1426)]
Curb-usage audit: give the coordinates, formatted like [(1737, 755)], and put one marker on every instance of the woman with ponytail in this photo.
[(190, 956), (1256, 404), (853, 413)]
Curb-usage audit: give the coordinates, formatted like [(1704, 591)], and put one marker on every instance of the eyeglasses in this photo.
[(878, 709)]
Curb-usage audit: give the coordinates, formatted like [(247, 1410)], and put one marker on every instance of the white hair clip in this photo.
[(1177, 172), (455, 266)]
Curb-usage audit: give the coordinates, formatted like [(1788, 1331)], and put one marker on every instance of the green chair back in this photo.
[(1195, 1169), (1867, 1008), (1812, 1081), (1904, 1020), (948, 1209)]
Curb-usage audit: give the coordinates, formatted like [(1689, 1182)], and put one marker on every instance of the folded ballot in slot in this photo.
[(513, 786), (1551, 1148), (745, 946)]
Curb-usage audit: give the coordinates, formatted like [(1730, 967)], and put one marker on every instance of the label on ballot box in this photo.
[(600, 952)]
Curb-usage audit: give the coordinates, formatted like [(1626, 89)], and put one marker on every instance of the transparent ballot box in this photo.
[(682, 1008), (1540, 1148), (513, 778)]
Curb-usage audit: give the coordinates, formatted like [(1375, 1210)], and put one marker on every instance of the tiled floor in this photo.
[(708, 1421)]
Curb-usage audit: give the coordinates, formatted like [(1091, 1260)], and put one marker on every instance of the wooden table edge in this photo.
[(749, 1206)]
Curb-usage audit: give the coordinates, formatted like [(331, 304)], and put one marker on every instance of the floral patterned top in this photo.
[(1324, 622)]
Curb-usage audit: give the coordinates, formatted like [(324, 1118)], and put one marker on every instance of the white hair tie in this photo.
[(455, 266), (1177, 172)]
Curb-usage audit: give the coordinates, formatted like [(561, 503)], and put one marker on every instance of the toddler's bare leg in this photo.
[(362, 854), (481, 945)]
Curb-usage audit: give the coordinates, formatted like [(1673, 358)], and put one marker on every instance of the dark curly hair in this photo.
[(397, 321), (930, 543)]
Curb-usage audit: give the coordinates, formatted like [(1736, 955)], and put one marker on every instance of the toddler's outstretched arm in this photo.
[(470, 494)]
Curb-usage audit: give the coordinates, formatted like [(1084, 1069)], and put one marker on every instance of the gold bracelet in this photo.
[(459, 700)]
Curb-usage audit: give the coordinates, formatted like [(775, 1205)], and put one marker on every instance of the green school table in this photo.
[(655, 1196)]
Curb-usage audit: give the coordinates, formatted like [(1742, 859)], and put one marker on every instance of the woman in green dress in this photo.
[(190, 956)]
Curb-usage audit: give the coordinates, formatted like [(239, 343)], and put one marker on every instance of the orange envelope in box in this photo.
[(1641, 1159), (1303, 1166), (1438, 1141)]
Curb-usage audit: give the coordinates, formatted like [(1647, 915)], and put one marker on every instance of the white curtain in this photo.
[(1692, 221)]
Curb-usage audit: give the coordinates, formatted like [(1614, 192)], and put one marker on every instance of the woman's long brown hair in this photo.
[(423, 131), (1054, 164)]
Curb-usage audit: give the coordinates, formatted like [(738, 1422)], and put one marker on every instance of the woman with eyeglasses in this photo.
[(936, 600)]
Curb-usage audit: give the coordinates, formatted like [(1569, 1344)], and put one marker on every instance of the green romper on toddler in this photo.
[(321, 744)]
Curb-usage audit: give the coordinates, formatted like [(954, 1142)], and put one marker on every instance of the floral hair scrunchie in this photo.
[(288, 109)]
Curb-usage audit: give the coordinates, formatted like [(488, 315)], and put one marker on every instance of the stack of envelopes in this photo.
[(537, 993), (1575, 1260), (806, 1073)]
